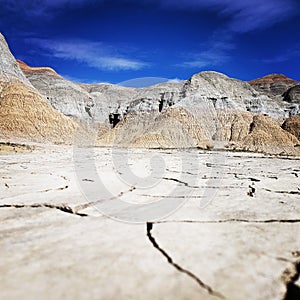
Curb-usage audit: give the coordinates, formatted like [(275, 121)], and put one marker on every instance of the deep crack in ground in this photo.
[(231, 221), (61, 207), (178, 267), (293, 290)]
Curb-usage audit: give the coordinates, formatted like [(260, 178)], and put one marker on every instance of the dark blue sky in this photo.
[(117, 40)]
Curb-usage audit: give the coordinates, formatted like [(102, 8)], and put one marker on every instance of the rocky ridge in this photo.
[(208, 110), (231, 117), (281, 89), (97, 101), (24, 113), (64, 95), (273, 84)]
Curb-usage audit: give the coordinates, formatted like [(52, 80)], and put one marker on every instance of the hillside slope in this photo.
[(24, 113)]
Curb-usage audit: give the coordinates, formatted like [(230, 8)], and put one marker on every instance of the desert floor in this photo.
[(220, 225)]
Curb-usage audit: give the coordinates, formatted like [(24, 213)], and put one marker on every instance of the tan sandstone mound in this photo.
[(27, 115), (266, 135), (176, 127), (292, 125)]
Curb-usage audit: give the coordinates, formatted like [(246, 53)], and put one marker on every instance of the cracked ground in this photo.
[(236, 234)]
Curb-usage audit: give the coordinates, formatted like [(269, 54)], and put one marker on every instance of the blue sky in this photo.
[(118, 40)]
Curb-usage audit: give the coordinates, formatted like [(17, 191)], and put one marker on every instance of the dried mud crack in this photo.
[(290, 277), (61, 207), (181, 182), (284, 192), (266, 221), (178, 267)]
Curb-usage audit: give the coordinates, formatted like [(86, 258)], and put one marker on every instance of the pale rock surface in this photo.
[(64, 95), (103, 99), (9, 68), (236, 236), (210, 109), (108, 98), (229, 93)]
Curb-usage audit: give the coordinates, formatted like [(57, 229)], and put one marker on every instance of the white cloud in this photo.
[(93, 54), (175, 80)]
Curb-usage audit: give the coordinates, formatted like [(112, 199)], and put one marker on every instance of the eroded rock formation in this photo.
[(273, 84), (24, 113), (292, 125), (208, 110), (282, 90), (64, 95)]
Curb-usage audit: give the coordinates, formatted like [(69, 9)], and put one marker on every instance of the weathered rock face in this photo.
[(273, 84), (265, 135), (222, 91), (98, 101), (157, 97), (120, 101), (292, 95), (283, 91), (292, 125), (9, 68), (65, 96), (181, 127), (228, 93), (176, 127), (209, 109), (24, 113), (108, 99)]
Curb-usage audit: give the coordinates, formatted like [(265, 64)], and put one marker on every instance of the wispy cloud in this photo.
[(289, 55), (78, 79), (213, 53), (240, 17), (244, 15), (93, 54)]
